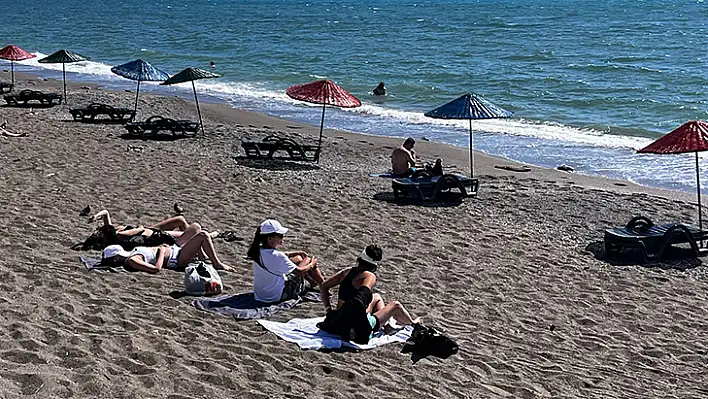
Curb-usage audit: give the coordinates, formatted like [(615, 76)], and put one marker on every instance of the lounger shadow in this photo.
[(675, 258), (275, 164)]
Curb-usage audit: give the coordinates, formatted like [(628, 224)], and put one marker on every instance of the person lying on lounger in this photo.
[(280, 276), (403, 159), (152, 259), (351, 279)]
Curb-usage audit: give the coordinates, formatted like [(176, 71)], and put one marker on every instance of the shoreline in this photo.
[(631, 178), (484, 163)]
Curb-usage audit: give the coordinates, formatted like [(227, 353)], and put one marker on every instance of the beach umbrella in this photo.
[(692, 136), (141, 71), (63, 57), (469, 106), (323, 92), (190, 75), (14, 53)]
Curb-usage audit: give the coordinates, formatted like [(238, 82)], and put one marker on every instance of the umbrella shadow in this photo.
[(275, 164), (446, 200), (157, 137), (676, 258)]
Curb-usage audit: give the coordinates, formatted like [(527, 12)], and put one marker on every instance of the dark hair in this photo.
[(259, 241), (410, 141), (375, 253), (103, 236)]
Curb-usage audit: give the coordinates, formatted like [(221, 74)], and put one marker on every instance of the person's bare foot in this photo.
[(214, 234), (417, 320)]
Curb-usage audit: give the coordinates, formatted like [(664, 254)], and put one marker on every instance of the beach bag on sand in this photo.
[(429, 342), (201, 279)]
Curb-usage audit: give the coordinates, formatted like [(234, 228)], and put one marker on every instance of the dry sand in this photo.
[(506, 274)]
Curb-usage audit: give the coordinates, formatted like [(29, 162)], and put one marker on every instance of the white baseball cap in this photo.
[(272, 226), (114, 250)]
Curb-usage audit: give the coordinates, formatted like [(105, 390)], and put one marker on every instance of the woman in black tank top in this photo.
[(350, 280)]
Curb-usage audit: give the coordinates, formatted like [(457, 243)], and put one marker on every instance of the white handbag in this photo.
[(202, 279)]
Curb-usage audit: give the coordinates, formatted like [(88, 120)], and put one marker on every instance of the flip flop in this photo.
[(230, 236)]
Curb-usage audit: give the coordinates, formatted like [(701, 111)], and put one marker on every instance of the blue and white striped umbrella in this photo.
[(469, 106), (141, 71)]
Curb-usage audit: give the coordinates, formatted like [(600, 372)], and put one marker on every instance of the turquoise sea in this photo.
[(589, 81)]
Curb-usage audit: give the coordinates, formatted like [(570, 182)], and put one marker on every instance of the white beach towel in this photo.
[(306, 335)]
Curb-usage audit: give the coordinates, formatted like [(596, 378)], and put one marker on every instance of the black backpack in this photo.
[(426, 341)]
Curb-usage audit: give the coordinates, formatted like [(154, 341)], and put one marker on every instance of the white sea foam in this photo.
[(232, 92)]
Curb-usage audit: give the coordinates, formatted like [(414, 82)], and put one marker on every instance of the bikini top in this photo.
[(346, 289), (147, 253)]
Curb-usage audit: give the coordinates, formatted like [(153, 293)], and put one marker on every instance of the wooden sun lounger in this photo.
[(641, 233), (157, 127), (273, 147), (27, 95), (89, 114), (5, 87), (430, 188)]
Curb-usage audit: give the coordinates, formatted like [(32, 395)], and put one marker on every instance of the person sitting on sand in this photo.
[(280, 276), (403, 159), (380, 90), (174, 230), (351, 279), (152, 259)]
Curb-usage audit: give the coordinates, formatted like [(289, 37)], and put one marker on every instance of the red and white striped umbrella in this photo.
[(14, 53), (692, 136), (323, 92)]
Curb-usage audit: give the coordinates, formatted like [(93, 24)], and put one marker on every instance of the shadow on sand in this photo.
[(676, 258)]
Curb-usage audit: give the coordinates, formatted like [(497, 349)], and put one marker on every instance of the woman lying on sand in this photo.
[(152, 259), (168, 231), (353, 278), (279, 276)]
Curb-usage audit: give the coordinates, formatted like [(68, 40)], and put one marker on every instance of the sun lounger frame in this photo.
[(653, 240), (156, 127), (27, 95), (273, 147), (89, 113), (429, 188)]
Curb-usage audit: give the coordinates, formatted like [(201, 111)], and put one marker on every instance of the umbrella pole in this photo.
[(63, 74), (698, 191), (196, 100), (319, 144), (12, 73), (137, 93), (471, 152)]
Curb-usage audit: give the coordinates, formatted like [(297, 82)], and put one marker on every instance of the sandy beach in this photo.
[(507, 274)]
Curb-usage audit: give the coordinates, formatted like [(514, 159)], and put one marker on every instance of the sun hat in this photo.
[(272, 226), (114, 250)]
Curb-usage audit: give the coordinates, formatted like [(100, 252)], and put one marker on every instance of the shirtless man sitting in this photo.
[(403, 159)]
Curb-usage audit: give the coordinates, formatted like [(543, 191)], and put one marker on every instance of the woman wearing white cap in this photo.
[(152, 259), (279, 276), (350, 281)]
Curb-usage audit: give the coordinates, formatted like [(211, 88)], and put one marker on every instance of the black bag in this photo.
[(427, 341)]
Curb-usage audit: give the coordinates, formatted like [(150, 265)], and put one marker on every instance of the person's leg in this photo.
[(191, 231), (377, 303), (397, 311), (314, 276), (178, 223), (192, 248)]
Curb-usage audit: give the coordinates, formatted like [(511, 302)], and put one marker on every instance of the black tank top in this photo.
[(346, 288)]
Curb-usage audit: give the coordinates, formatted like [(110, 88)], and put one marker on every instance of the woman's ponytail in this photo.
[(254, 251)]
